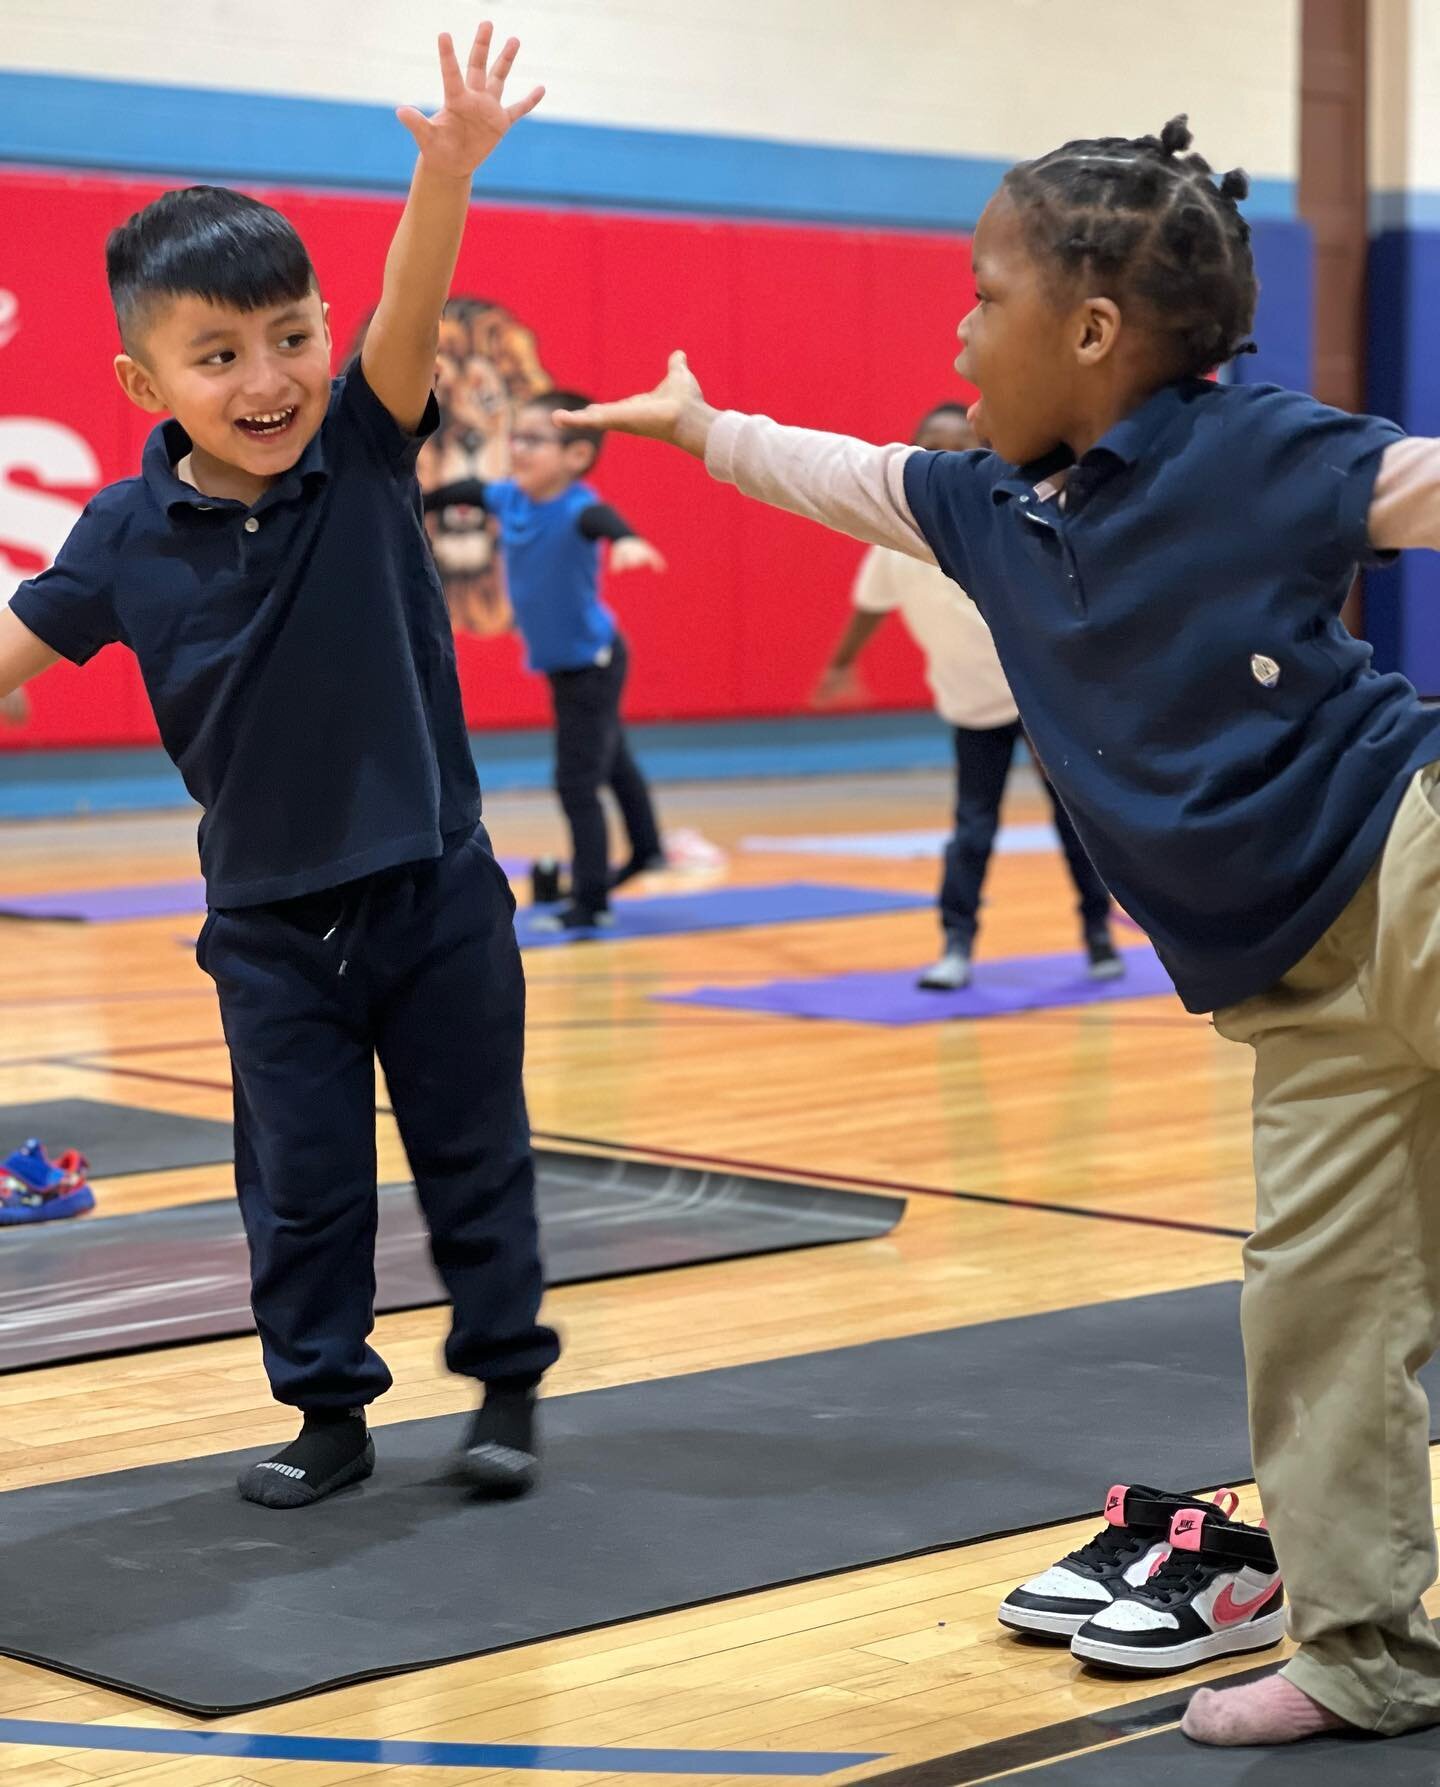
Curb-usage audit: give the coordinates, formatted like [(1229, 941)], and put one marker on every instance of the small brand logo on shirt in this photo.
[(1265, 670)]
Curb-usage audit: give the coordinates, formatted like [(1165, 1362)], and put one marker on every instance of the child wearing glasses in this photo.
[(551, 526)]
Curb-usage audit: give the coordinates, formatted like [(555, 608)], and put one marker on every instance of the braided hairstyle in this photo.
[(1147, 221)]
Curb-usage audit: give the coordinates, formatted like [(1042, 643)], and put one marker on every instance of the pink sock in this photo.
[(1271, 1711)]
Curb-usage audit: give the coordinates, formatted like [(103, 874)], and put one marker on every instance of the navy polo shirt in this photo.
[(1230, 758), (297, 653), (552, 572)]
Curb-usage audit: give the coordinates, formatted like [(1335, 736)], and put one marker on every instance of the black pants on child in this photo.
[(418, 965), (982, 766), (591, 753)]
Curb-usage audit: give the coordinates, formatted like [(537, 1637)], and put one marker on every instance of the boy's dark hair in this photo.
[(1148, 222), (570, 400), (960, 411), (206, 242)]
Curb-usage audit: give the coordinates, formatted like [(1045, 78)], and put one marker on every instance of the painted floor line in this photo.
[(406, 1753)]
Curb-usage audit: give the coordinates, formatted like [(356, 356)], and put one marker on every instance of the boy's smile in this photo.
[(250, 388)]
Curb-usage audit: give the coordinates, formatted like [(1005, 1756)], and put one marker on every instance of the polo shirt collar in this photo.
[(1123, 445), (168, 444)]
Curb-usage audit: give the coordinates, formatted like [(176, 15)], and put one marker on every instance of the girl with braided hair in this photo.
[(1162, 560)]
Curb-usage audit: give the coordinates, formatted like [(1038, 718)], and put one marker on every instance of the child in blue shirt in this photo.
[(551, 526), (1162, 562), (270, 571)]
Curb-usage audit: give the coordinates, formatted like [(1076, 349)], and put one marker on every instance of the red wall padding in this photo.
[(833, 328)]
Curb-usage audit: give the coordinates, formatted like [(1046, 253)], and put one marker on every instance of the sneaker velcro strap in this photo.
[(1148, 1512), (1234, 1543)]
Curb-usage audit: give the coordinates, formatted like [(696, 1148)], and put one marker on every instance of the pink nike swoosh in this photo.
[(1227, 1611)]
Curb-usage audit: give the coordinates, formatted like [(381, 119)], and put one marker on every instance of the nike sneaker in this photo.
[(1218, 1593), (1136, 1537)]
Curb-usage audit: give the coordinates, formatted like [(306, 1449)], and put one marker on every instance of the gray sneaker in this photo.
[(949, 974), (579, 919)]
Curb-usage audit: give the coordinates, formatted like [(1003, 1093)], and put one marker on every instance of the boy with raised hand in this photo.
[(270, 571)]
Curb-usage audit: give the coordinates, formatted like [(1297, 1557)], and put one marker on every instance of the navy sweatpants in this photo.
[(418, 965), (982, 764)]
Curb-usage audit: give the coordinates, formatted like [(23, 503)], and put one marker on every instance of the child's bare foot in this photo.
[(1272, 1711)]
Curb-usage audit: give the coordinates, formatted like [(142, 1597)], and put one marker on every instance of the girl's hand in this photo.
[(675, 410)]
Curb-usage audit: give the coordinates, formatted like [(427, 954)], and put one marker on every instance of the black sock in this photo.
[(333, 1450), (501, 1452)]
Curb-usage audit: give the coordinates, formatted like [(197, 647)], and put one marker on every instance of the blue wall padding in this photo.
[(1402, 604), (1284, 319)]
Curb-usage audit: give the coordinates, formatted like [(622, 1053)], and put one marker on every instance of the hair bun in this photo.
[(1176, 135), (1235, 184)]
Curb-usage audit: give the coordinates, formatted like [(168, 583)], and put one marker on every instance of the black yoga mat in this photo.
[(1410, 1761), (85, 1289), (656, 1495), (116, 1138)]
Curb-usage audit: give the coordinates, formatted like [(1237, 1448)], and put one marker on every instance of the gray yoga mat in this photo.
[(116, 1138), (656, 1495), (75, 1290), (1411, 1761)]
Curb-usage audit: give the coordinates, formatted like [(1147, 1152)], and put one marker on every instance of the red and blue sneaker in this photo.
[(34, 1188), (1218, 1593), (1134, 1543)]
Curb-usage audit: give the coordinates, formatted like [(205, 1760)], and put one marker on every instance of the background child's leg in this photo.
[(1339, 1311), (1094, 895), (982, 764), (304, 1076), (451, 1037), (627, 781), (583, 746)]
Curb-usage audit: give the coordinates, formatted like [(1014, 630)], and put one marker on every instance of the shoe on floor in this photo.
[(949, 974), (1106, 962), (580, 919), (501, 1454), (1083, 1583), (34, 1188), (1217, 1594), (639, 865)]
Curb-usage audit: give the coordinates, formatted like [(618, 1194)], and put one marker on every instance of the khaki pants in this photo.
[(1341, 1305)]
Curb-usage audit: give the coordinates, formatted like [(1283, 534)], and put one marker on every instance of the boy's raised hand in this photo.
[(474, 116), (675, 410)]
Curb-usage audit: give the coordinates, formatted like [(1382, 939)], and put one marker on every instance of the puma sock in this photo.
[(333, 1450), (501, 1452)]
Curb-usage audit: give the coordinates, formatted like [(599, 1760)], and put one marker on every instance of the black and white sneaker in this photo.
[(582, 921), (1136, 1538), (1104, 961), (1217, 1594)]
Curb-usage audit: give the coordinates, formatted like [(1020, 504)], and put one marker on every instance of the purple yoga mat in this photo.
[(1022, 983), (727, 908), (147, 899)]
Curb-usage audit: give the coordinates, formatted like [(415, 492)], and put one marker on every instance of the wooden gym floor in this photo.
[(1125, 1109)]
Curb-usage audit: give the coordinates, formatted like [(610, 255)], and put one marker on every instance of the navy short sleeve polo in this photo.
[(298, 653), (1170, 629)]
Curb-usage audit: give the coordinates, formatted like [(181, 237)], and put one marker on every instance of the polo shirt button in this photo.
[(252, 526)]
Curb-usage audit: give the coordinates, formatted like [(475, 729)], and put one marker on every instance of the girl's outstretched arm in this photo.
[(1405, 507), (846, 484)]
